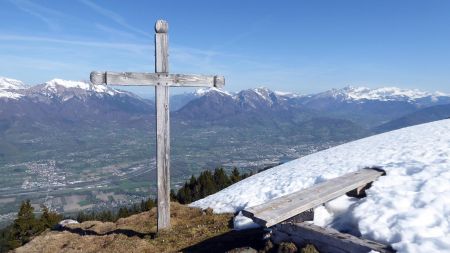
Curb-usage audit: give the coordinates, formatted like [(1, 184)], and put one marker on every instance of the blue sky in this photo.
[(301, 46)]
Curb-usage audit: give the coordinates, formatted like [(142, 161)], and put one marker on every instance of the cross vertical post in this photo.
[(162, 80), (162, 125)]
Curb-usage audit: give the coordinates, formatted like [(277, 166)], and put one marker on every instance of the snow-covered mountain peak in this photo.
[(11, 84), (204, 91), (256, 97), (52, 84), (380, 94), (56, 85), (9, 87), (262, 92)]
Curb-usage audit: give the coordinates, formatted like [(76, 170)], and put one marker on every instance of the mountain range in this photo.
[(83, 137), (366, 107), (61, 102)]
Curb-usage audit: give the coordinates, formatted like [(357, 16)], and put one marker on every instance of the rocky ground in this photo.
[(192, 230)]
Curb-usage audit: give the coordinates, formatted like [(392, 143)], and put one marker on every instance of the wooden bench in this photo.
[(288, 206), (288, 213)]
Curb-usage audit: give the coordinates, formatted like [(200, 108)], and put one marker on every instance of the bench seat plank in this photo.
[(285, 207)]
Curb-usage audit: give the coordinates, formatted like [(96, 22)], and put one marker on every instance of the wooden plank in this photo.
[(162, 127), (283, 208), (326, 240), (178, 80), (161, 47), (153, 79)]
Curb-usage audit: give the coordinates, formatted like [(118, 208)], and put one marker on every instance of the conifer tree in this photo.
[(123, 212), (235, 175), (81, 216), (206, 182), (221, 178), (25, 226), (49, 219)]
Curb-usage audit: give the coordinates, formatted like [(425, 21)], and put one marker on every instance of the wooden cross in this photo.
[(162, 80)]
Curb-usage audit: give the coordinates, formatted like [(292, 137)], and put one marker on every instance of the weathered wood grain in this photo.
[(326, 240), (163, 156), (161, 52), (283, 208), (162, 131), (153, 79), (98, 78), (196, 80)]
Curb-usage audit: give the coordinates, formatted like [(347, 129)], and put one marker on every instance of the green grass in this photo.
[(84, 202)]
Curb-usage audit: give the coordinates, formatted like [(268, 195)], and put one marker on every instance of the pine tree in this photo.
[(206, 182), (49, 219), (184, 194), (25, 226), (150, 203), (194, 189), (5, 239), (221, 179), (235, 175), (143, 206), (123, 212), (81, 216)]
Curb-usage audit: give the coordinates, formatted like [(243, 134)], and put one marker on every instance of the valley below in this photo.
[(110, 171)]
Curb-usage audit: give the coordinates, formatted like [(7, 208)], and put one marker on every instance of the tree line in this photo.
[(206, 183), (26, 226)]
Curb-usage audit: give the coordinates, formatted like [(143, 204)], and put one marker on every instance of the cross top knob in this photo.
[(161, 26)]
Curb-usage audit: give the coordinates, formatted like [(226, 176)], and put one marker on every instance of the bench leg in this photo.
[(301, 217), (359, 192)]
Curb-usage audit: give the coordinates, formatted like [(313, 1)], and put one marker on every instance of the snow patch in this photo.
[(264, 93), (407, 208), (287, 94), (11, 84), (9, 94), (381, 94), (8, 88), (55, 84), (204, 91)]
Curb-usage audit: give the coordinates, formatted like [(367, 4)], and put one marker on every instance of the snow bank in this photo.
[(408, 208)]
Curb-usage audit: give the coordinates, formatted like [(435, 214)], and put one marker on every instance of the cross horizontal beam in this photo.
[(155, 79)]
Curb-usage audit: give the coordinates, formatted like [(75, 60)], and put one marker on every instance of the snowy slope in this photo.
[(57, 84), (203, 91), (8, 88), (9, 94), (351, 93), (408, 208), (11, 84)]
